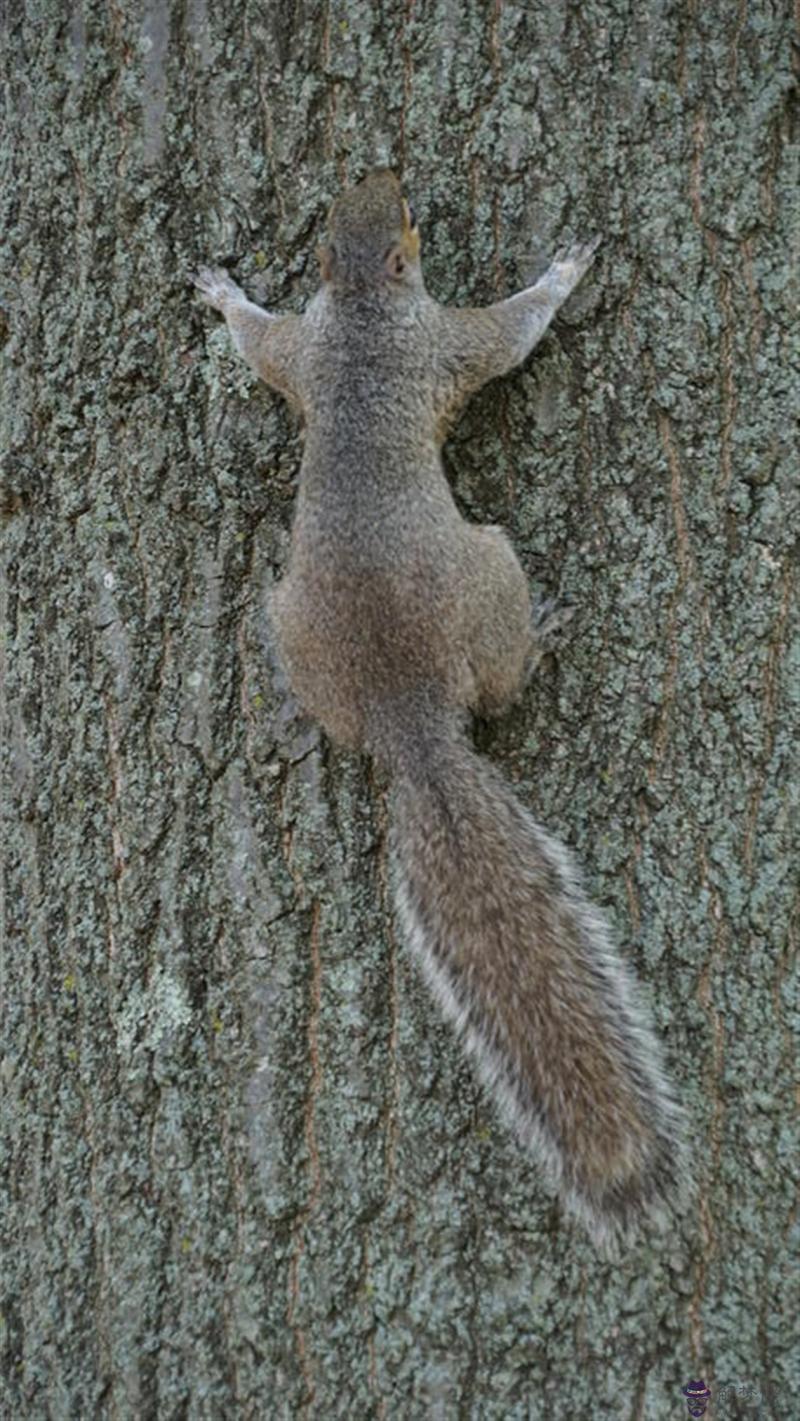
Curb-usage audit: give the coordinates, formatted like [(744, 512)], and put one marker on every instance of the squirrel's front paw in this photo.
[(574, 261), (216, 287)]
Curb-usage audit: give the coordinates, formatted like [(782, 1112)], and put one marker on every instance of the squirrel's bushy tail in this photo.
[(522, 964)]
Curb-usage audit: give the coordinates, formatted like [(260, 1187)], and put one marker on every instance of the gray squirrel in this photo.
[(395, 619)]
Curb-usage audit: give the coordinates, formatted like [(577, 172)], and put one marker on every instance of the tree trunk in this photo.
[(247, 1172)]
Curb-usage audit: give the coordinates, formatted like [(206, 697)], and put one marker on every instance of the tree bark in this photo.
[(246, 1170)]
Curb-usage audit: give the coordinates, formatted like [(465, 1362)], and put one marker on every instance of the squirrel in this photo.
[(395, 619)]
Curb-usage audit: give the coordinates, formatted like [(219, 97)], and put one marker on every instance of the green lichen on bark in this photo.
[(246, 1171)]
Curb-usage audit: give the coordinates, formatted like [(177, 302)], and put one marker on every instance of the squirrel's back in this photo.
[(375, 599)]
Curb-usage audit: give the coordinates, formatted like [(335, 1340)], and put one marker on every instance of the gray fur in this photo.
[(395, 618)]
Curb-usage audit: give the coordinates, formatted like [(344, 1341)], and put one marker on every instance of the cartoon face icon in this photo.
[(697, 1397)]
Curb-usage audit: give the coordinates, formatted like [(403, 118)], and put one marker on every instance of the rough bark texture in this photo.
[(246, 1172)]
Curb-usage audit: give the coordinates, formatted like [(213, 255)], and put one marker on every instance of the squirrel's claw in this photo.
[(578, 251), (216, 287), (578, 255), (547, 617), (550, 616)]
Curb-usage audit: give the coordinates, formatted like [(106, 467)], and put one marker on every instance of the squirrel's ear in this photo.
[(327, 260), (395, 262)]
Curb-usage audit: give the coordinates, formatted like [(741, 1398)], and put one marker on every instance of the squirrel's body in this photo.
[(358, 627), (395, 618)]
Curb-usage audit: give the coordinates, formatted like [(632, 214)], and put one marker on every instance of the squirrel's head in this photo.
[(373, 239)]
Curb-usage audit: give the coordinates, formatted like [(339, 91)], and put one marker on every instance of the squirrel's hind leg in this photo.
[(547, 619), (498, 622), (506, 637)]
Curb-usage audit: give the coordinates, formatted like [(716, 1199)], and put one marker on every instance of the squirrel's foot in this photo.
[(216, 287), (550, 616), (571, 263), (547, 618)]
